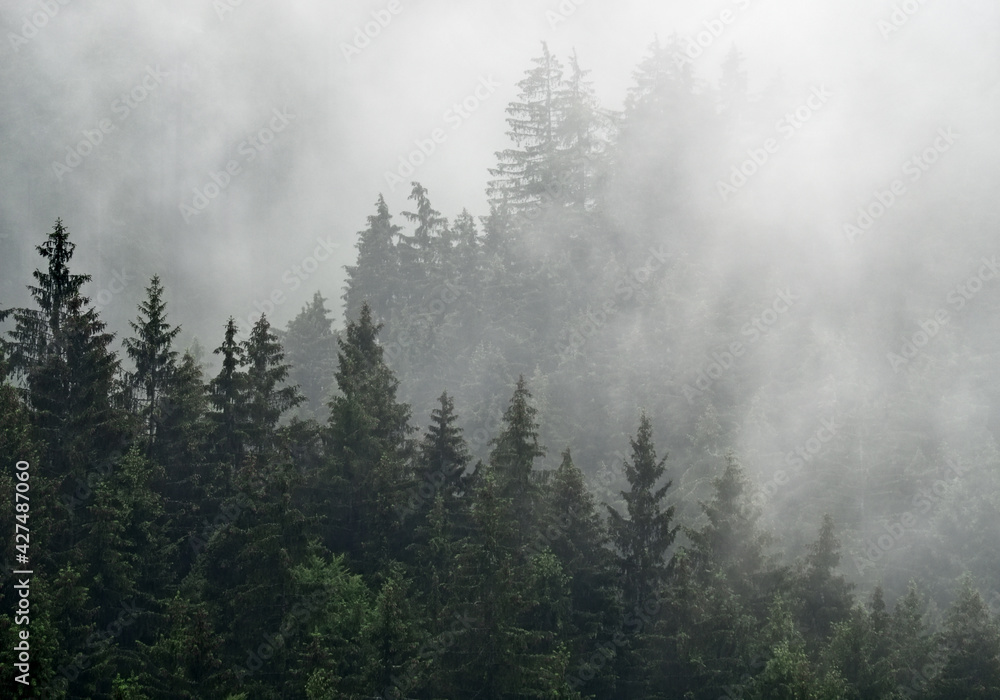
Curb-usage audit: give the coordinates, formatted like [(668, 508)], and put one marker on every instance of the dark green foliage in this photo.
[(277, 531), (227, 393), (151, 352), (368, 446), (970, 647), (643, 538), (266, 399), (372, 280), (311, 349)]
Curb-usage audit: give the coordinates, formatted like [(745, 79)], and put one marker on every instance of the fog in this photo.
[(869, 211)]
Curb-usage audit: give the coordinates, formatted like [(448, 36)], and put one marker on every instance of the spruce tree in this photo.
[(641, 542), (642, 539), (442, 457), (970, 647), (369, 447), (311, 348), (227, 395), (62, 352), (265, 397), (153, 355), (824, 595), (373, 280), (573, 530), (513, 457), (526, 176)]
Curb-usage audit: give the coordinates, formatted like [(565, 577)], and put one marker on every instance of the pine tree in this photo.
[(575, 533), (913, 647), (151, 351), (513, 456), (332, 659), (182, 440), (422, 254), (526, 175), (245, 574), (970, 646), (503, 643), (265, 398), (583, 134), (642, 540), (185, 661), (227, 394), (722, 589), (825, 596), (861, 651), (311, 348), (442, 456), (373, 279), (129, 556), (732, 543), (369, 446), (62, 352)]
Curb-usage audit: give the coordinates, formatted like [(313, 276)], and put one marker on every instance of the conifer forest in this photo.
[(384, 349)]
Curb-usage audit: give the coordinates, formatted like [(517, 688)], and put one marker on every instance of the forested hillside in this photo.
[(597, 442)]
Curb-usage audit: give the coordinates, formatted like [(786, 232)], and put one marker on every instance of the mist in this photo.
[(790, 258)]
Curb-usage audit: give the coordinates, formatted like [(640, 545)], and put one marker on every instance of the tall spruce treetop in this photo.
[(526, 172), (227, 396), (151, 350), (62, 351), (515, 449), (429, 225), (369, 445), (643, 539), (311, 346), (367, 386), (371, 279), (732, 543), (662, 82), (265, 373), (825, 595), (443, 452), (582, 135)]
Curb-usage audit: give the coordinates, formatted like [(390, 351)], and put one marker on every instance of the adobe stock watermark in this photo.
[(714, 28), (248, 150), (929, 328), (293, 278), (787, 126), (32, 24), (899, 17), (565, 10), (753, 330), (454, 116), (913, 169), (796, 460), (119, 281), (366, 33), (121, 107), (923, 502), (225, 7)]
